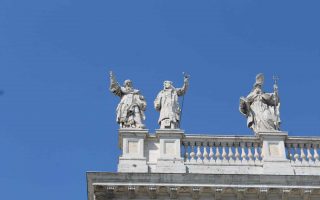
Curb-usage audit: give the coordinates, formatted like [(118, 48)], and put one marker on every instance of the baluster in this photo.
[(288, 145), (243, 153), (262, 152), (186, 153), (230, 155), (316, 155), (250, 155), (205, 153), (237, 155), (217, 152), (302, 154), (296, 155), (256, 153), (224, 153), (292, 152), (309, 155), (199, 154), (183, 150), (192, 154), (211, 155)]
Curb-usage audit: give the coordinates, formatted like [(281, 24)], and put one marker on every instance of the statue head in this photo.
[(167, 84), (128, 83), (259, 80)]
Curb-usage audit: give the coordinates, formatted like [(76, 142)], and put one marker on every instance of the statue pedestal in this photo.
[(132, 144), (170, 155), (274, 153)]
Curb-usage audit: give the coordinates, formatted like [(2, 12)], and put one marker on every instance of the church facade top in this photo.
[(170, 150), (173, 165), (261, 109)]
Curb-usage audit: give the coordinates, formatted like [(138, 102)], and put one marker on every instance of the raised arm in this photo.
[(181, 91), (157, 102), (114, 85), (276, 94)]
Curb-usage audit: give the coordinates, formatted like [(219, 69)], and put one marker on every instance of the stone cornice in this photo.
[(200, 184)]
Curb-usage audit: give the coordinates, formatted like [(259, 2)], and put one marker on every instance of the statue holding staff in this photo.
[(261, 109), (130, 110), (168, 105)]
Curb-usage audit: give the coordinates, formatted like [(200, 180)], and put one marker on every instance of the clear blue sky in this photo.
[(57, 117)]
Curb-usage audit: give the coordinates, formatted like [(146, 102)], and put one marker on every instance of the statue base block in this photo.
[(277, 167), (132, 143), (170, 159), (170, 165), (274, 153), (133, 165)]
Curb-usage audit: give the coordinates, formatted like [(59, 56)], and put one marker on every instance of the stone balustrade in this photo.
[(173, 151), (206, 149), (303, 150), (173, 165)]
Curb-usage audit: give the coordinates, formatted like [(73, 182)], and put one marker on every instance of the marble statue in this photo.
[(168, 105), (130, 110), (261, 109)]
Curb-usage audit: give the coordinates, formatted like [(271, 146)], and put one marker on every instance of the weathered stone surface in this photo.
[(274, 153), (132, 143), (205, 186)]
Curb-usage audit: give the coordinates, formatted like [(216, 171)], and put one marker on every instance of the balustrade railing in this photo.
[(245, 149), (221, 149), (303, 150), (176, 152)]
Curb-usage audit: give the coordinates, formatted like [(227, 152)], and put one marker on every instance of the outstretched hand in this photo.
[(275, 88), (185, 77), (113, 80)]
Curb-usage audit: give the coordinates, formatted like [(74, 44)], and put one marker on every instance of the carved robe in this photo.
[(168, 105), (130, 110), (261, 110)]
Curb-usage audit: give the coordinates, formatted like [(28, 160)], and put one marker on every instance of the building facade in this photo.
[(170, 164)]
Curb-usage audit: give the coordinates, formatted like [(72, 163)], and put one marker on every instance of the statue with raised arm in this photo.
[(130, 110), (168, 105), (261, 109)]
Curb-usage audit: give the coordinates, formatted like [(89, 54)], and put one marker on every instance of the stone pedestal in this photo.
[(170, 154), (132, 144), (274, 153)]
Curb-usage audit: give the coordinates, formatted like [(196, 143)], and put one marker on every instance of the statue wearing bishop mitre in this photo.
[(261, 109)]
